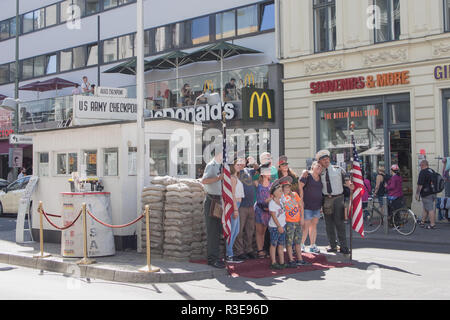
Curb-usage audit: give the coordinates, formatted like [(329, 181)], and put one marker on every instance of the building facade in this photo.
[(75, 38), (382, 64)]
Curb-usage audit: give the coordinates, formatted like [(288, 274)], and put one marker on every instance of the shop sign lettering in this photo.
[(88, 107), (351, 114), (197, 114), (442, 72), (358, 83)]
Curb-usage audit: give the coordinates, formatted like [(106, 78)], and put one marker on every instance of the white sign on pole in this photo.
[(111, 92), (20, 139), (89, 107)]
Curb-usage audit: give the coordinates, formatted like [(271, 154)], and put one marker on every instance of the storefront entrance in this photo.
[(382, 135)]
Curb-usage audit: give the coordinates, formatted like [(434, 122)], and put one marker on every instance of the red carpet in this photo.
[(260, 268)]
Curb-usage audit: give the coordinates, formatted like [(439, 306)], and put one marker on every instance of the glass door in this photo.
[(401, 154)]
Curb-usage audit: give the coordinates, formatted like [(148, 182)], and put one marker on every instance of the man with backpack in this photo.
[(428, 186)]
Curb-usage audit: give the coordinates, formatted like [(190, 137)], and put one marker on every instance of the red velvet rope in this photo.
[(112, 226), (60, 228)]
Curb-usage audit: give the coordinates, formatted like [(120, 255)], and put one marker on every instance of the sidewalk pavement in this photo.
[(124, 265), (440, 235)]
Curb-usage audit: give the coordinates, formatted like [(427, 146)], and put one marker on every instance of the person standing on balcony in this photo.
[(85, 85), (76, 89)]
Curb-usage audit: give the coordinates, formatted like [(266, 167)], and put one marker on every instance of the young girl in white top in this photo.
[(238, 195)]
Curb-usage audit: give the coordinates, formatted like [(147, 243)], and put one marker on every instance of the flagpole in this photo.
[(350, 208)]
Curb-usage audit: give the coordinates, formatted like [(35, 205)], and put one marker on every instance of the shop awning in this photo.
[(375, 151)]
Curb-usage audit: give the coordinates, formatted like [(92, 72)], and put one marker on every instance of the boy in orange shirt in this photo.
[(294, 221)]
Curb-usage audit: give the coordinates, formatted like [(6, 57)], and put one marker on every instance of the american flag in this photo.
[(358, 181), (227, 196)]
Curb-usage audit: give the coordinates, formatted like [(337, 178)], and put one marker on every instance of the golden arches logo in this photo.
[(249, 79), (260, 99), (208, 86)]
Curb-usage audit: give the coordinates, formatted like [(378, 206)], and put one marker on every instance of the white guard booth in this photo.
[(107, 151)]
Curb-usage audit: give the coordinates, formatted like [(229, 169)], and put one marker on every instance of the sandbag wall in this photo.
[(177, 226)]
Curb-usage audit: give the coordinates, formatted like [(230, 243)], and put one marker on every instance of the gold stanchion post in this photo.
[(148, 267), (85, 259), (41, 233)]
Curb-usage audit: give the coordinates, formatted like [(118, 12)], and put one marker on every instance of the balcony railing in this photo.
[(57, 112)]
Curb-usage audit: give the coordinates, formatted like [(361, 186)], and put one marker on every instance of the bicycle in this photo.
[(403, 219)]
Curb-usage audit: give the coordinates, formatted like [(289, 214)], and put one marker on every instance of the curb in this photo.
[(383, 237), (106, 273)]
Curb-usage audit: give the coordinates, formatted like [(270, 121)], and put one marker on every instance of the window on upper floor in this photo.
[(324, 25), (387, 20), (247, 20), (4, 73), (267, 19), (446, 15), (226, 24), (4, 29)]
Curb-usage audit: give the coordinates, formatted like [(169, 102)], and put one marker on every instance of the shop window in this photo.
[(50, 15), (387, 20), (27, 22), (225, 24), (4, 30), (267, 20), (43, 164), (110, 50), (110, 163), (159, 157), (325, 25), (92, 55), (4, 73), (39, 19), (92, 6), (61, 163), (400, 113), (126, 46), (79, 57), (109, 4), (247, 20), (65, 60), (334, 134), (73, 162), (90, 162)]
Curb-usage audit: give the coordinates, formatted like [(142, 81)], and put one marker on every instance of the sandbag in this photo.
[(151, 199), (165, 180), (178, 187), (155, 187), (153, 193)]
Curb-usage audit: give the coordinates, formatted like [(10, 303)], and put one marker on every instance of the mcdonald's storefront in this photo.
[(252, 99)]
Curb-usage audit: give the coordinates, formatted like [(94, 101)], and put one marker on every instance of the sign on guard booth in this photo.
[(103, 109)]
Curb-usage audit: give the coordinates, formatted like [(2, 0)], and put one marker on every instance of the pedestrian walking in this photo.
[(237, 190), (380, 190), (262, 215), (212, 180), (311, 193), (276, 224), (428, 198)]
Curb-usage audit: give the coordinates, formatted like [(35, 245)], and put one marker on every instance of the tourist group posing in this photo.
[(275, 199)]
